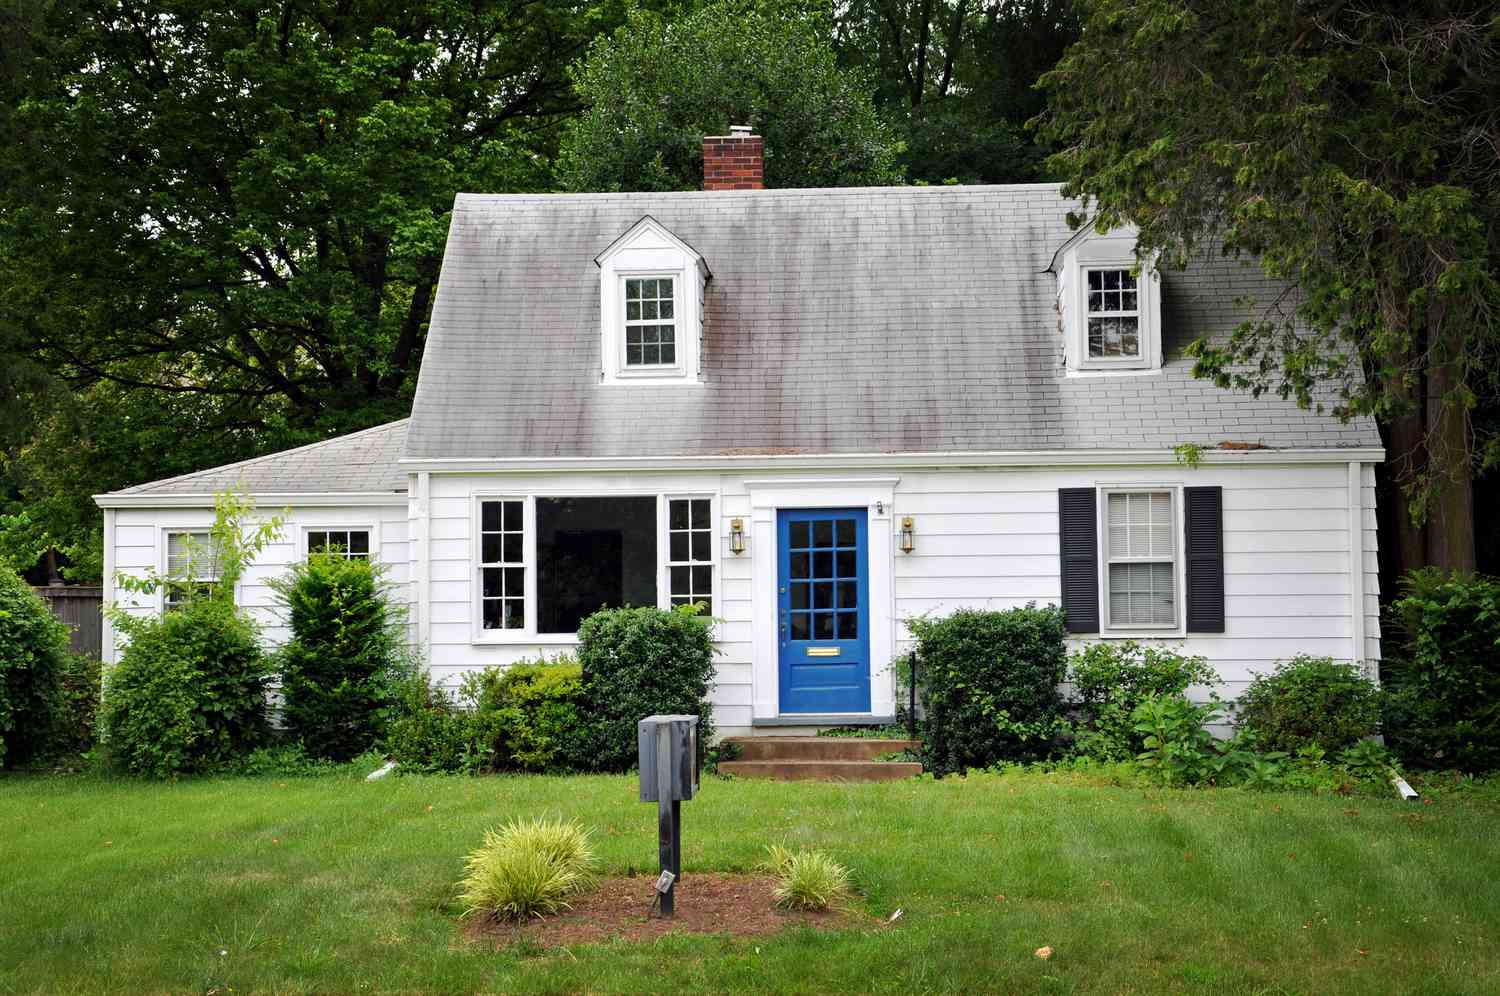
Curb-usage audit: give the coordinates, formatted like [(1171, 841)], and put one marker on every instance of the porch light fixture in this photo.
[(737, 536), (908, 535)]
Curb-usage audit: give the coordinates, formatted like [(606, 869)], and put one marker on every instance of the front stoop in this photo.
[(827, 759)]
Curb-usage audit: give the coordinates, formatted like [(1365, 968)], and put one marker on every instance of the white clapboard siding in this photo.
[(984, 539)]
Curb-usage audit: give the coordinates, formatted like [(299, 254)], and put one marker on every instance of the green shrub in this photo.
[(33, 656), (340, 668), (1309, 701), (189, 692), (527, 868), (528, 715), (1110, 679), (808, 880), (640, 662), (1178, 749), (79, 686), (1443, 680), (988, 681), (430, 733)]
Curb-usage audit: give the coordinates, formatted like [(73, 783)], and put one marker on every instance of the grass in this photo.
[(331, 884)]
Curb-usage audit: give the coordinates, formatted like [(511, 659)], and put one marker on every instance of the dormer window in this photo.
[(650, 322), (1113, 314), (651, 286), (1108, 304)]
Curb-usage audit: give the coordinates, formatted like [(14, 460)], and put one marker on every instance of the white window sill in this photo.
[(520, 638), (1114, 372), (650, 380)]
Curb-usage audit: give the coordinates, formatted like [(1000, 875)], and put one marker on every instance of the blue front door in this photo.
[(823, 593)]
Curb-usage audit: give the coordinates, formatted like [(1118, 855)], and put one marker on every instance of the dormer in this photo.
[(1108, 304), (651, 307)]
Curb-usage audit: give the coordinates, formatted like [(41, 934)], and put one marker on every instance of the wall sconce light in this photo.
[(737, 536), (908, 535)]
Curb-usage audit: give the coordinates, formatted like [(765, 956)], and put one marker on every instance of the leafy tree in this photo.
[(958, 75), (657, 86), (1350, 147), (232, 213)]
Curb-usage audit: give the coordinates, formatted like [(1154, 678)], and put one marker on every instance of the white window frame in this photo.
[(1115, 250), (1141, 320), (529, 633), (371, 530), (646, 250), (664, 548), (678, 367), (478, 565), (164, 561), (1179, 563)]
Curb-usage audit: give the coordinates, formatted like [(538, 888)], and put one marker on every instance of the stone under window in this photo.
[(1141, 559), (650, 322), (593, 553), (1114, 317)]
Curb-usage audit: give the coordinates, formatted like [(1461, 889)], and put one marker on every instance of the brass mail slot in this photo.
[(824, 651)]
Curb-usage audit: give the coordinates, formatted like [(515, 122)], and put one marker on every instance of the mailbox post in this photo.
[(668, 754)]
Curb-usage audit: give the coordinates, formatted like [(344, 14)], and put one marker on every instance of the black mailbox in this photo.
[(668, 756)]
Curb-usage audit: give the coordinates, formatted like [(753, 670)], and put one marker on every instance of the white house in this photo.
[(823, 412)]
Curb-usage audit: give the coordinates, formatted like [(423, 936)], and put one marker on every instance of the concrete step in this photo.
[(822, 771), (817, 748)]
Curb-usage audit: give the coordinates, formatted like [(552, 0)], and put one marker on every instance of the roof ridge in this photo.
[(253, 461), (615, 195)]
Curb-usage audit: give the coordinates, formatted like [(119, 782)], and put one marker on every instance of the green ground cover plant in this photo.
[(332, 884)]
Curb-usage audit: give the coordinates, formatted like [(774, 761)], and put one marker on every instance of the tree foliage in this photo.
[(657, 86), (958, 77), (1351, 148)]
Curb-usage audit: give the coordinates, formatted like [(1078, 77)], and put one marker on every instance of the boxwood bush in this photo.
[(340, 669), (189, 692), (33, 657), (638, 662), (528, 715), (1443, 672), (1309, 702), (989, 683)]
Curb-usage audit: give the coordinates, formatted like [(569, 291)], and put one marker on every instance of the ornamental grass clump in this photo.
[(808, 880), (527, 869)]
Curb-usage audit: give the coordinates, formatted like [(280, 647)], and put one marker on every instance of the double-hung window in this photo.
[(351, 544), (192, 567), (1114, 316), (650, 322), (1141, 559), (690, 560), (502, 564)]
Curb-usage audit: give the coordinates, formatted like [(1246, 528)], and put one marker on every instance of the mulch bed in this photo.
[(707, 903)]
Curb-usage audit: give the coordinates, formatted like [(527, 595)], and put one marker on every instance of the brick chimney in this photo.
[(734, 161)]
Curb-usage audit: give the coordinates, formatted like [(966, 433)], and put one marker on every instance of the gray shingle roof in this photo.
[(837, 321), (359, 462)]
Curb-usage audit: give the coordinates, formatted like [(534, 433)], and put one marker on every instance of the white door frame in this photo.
[(767, 497)]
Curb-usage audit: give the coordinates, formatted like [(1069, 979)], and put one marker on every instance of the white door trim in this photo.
[(767, 497)]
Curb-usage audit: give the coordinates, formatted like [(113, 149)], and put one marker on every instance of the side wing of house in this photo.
[(346, 495)]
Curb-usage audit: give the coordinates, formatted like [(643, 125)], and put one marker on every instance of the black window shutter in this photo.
[(1078, 526), (1203, 518)]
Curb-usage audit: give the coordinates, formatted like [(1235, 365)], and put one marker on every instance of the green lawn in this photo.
[(332, 884)]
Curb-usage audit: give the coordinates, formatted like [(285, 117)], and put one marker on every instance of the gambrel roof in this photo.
[(840, 321)]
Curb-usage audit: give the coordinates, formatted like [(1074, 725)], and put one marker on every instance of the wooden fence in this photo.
[(81, 607)]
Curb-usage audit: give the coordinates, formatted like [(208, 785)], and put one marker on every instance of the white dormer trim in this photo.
[(648, 250), (1089, 250)]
